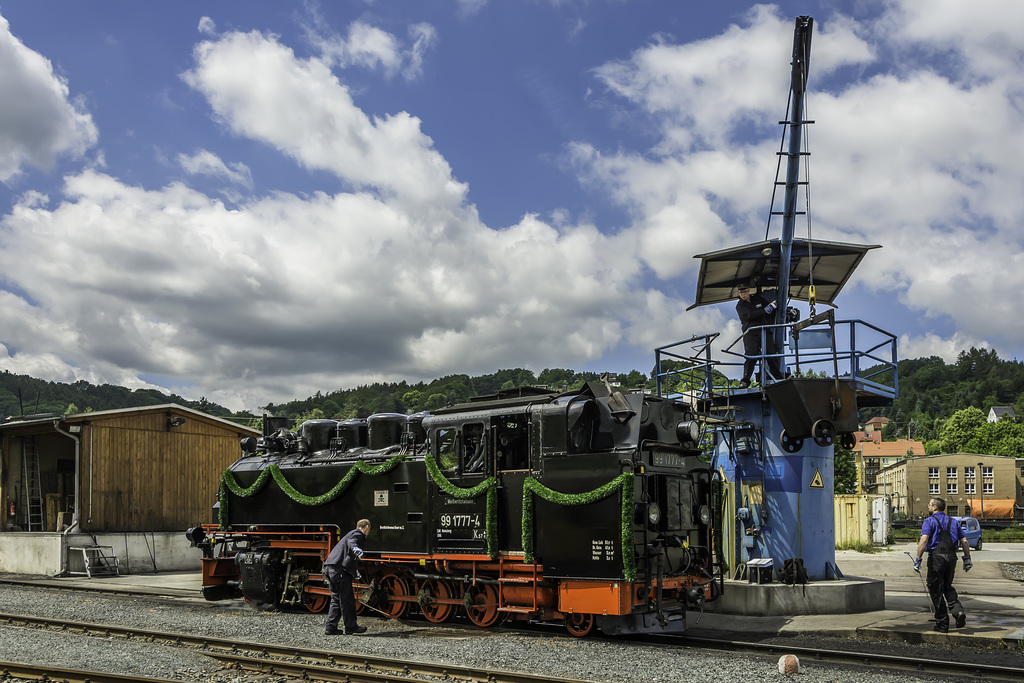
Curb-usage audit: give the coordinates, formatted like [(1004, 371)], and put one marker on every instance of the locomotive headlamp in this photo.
[(704, 512), (653, 513), (647, 513), (688, 431)]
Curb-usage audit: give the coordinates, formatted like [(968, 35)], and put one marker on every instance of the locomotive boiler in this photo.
[(592, 508)]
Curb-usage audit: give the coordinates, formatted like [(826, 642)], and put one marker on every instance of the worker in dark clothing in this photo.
[(754, 310), (939, 536), (340, 568)]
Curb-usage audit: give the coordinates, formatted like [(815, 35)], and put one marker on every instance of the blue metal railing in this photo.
[(848, 349)]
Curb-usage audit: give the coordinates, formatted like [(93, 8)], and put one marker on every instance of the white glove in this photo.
[(770, 307), (357, 551)]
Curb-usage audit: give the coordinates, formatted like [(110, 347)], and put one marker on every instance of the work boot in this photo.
[(355, 630), (942, 628), (961, 619), (329, 631), (744, 383)]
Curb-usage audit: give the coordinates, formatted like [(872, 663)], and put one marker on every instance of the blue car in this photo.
[(971, 530)]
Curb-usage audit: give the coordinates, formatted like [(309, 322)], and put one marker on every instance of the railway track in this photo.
[(872, 660), (298, 662), (270, 659)]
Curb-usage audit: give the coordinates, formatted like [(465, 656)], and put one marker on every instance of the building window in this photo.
[(952, 510), (988, 489), (933, 472), (968, 473), (986, 472), (933, 489), (950, 473), (969, 489), (950, 489), (1022, 470)]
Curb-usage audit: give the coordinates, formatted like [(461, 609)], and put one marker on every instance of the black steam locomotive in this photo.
[(590, 508)]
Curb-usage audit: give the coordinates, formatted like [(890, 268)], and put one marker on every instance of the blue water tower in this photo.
[(771, 442)]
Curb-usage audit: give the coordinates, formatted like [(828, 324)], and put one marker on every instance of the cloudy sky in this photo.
[(253, 201)]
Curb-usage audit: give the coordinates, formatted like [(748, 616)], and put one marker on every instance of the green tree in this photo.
[(412, 399), (435, 401), (845, 473), (634, 379), (314, 414), (961, 432), (330, 409), (556, 378)]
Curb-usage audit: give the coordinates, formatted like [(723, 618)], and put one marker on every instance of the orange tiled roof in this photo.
[(889, 449)]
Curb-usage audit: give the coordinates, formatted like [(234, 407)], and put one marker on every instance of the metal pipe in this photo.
[(801, 63), (74, 518)]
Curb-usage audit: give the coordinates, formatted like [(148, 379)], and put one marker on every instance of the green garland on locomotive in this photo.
[(229, 483), (623, 483)]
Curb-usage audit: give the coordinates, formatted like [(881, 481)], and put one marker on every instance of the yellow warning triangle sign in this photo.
[(817, 482)]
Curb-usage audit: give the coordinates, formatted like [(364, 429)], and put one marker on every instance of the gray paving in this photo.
[(994, 602)]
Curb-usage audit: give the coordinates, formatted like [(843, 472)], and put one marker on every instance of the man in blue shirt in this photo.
[(939, 536)]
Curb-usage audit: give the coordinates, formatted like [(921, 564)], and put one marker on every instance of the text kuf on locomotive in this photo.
[(592, 508)]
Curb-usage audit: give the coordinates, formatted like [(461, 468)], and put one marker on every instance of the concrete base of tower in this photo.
[(844, 596)]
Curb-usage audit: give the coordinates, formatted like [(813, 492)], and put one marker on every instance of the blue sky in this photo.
[(254, 201)]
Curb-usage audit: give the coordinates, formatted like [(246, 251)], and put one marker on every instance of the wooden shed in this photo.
[(149, 469)]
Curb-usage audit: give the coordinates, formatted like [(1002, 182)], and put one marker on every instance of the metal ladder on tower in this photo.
[(33, 489)]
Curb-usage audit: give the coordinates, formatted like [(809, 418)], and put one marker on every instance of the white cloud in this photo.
[(207, 26), (261, 90), (372, 48), (392, 274), (206, 163), (946, 348), (38, 122), (286, 295), (922, 157)]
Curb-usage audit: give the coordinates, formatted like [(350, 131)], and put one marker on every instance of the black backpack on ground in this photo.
[(793, 571)]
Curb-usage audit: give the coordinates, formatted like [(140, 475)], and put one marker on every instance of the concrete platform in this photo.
[(847, 596)]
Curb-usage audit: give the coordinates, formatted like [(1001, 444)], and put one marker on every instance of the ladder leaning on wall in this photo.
[(33, 490)]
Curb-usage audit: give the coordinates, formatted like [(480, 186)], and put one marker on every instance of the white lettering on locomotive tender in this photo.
[(602, 549)]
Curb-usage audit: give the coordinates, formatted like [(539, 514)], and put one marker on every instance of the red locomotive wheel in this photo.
[(579, 624), (316, 602), (482, 605), (434, 611), (396, 588)]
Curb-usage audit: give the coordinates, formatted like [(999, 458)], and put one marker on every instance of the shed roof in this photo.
[(77, 418)]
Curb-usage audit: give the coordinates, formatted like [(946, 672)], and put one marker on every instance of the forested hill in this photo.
[(930, 392), (24, 395)]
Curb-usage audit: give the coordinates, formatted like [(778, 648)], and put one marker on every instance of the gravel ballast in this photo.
[(505, 649)]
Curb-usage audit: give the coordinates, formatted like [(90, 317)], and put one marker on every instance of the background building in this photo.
[(131, 479), (873, 456), (984, 486)]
